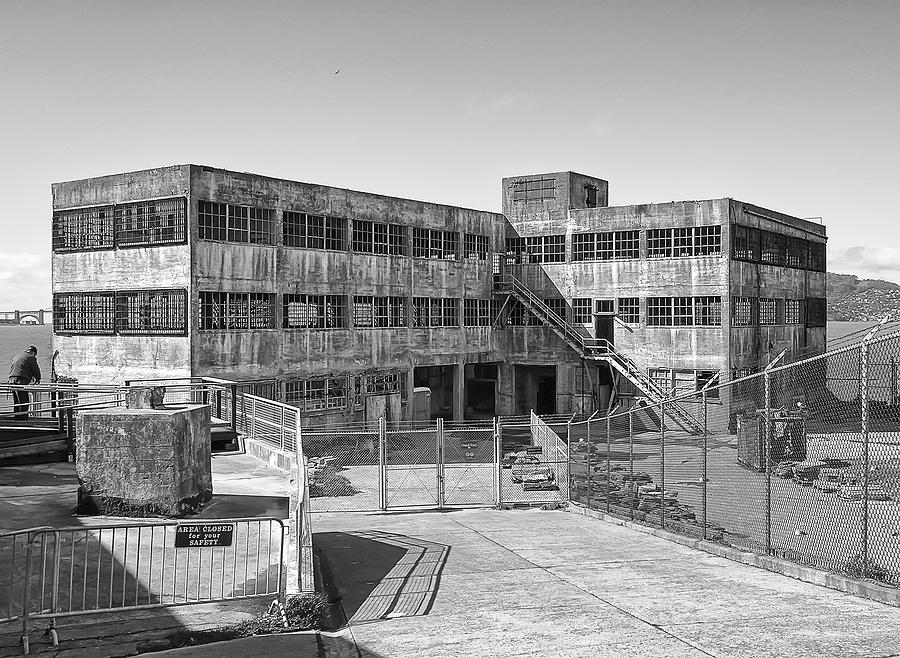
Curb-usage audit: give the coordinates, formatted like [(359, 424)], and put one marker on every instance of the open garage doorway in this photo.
[(439, 380), (481, 390)]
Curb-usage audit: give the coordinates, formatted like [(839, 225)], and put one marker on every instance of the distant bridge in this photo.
[(39, 316)]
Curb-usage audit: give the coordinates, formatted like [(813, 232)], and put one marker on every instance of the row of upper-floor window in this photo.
[(769, 311), (759, 246), (164, 311), (163, 221)]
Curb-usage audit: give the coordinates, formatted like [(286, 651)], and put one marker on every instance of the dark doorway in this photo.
[(481, 390), (604, 320), (546, 395), (440, 380)]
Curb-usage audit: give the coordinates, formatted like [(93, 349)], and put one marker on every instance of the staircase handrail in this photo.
[(592, 347)]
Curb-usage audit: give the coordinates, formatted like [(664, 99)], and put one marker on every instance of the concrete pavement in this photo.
[(552, 583), (491, 583)]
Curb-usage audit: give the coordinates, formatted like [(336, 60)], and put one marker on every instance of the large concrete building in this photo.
[(349, 300)]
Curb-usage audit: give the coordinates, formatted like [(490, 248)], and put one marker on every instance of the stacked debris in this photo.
[(324, 480)]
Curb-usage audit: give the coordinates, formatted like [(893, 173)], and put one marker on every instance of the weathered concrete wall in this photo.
[(305, 353), (754, 347), (139, 462), (117, 358), (695, 348)]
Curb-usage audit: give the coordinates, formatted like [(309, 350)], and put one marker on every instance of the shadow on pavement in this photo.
[(371, 575)]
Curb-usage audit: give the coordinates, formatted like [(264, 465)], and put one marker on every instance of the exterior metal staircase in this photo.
[(594, 349)]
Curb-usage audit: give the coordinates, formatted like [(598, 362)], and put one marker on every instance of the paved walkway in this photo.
[(551, 583), (499, 583)]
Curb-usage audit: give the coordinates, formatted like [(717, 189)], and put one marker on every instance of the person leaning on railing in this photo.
[(24, 370)]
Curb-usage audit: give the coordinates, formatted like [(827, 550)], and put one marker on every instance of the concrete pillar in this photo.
[(459, 391), (17, 315)]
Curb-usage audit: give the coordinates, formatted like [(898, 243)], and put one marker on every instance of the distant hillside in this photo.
[(854, 299)]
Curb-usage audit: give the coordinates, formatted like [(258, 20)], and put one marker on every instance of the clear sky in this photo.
[(789, 105)]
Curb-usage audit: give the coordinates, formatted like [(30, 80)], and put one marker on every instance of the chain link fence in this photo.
[(801, 461)]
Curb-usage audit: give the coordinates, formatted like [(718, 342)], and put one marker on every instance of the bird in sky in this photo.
[(337, 72)]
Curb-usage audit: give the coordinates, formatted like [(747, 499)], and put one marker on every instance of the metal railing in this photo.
[(52, 573), (595, 348)]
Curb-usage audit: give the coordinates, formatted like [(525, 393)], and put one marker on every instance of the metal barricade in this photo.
[(79, 570)]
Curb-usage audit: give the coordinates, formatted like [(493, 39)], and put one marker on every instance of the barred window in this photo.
[(767, 311), (317, 394), (581, 310), (381, 383), (433, 243), (156, 312), (558, 306), (314, 311), (815, 312), (381, 239), (584, 246), (83, 229), (611, 245), (792, 311), (435, 312), (536, 249), (146, 223), (816, 256), (212, 219), (684, 311), (84, 312), (743, 311), (659, 311), (795, 254), (535, 189), (389, 239), (708, 311), (659, 243), (519, 316), (379, 312), (684, 241), (662, 378), (470, 312), (708, 240), (234, 223), (362, 236), (754, 245), (629, 310), (772, 248), (476, 246), (237, 310), (554, 249), (480, 312), (300, 229), (745, 242), (605, 306)]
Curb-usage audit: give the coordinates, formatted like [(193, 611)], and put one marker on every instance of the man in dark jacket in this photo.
[(24, 370)]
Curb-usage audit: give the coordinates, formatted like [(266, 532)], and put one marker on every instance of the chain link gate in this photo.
[(412, 473), (433, 466)]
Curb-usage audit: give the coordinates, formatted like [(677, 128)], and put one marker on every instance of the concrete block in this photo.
[(144, 462)]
